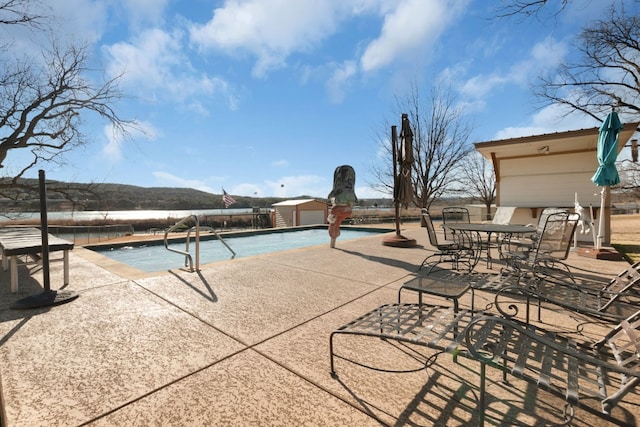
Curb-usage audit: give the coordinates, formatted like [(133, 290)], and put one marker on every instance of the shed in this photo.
[(292, 213), (549, 170)]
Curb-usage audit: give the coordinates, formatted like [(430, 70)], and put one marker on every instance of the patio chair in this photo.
[(503, 214), (457, 252), (528, 242), (453, 215), (575, 371), (549, 249)]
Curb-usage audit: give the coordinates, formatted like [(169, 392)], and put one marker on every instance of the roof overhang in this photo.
[(583, 140), (296, 202)]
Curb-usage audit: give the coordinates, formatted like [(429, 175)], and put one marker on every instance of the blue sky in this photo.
[(267, 97)]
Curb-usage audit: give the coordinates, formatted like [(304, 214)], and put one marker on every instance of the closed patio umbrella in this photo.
[(607, 174), (404, 189)]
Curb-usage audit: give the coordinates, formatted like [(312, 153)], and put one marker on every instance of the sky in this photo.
[(265, 98)]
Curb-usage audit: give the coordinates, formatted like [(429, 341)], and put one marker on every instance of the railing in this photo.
[(87, 234), (188, 259)]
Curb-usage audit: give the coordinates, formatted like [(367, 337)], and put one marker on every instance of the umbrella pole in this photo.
[(600, 219), (47, 297), (396, 190)]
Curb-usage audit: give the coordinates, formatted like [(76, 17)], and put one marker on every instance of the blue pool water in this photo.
[(152, 258)]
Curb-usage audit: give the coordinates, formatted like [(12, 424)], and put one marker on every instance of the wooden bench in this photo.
[(605, 370), (17, 241)]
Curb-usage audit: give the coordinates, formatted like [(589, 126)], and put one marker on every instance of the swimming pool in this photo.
[(155, 257)]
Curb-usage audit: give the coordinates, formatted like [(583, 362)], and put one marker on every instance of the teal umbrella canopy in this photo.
[(607, 174)]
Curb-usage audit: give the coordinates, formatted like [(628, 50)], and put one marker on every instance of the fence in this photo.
[(85, 234)]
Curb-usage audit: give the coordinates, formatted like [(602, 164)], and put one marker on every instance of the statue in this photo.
[(342, 198)]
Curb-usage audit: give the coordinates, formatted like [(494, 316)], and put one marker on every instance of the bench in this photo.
[(16, 241), (605, 370)]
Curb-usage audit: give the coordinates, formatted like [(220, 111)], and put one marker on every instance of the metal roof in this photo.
[(558, 142)]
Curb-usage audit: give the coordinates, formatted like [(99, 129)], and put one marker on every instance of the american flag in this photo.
[(227, 199)]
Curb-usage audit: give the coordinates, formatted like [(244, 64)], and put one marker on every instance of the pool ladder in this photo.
[(188, 259)]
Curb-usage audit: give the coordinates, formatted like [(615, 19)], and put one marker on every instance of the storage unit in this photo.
[(548, 170), (293, 213)]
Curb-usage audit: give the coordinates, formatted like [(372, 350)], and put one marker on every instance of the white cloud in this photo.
[(156, 66), (280, 163), (553, 118), (543, 56), (269, 30), (412, 27), (166, 179), (272, 30), (340, 78), (293, 186), (144, 12), (116, 138)]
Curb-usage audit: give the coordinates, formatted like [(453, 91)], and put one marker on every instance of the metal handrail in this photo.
[(187, 256), (197, 228)]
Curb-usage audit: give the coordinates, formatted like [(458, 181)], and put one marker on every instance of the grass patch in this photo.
[(630, 252)]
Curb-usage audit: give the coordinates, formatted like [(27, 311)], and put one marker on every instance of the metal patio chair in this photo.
[(461, 251), (550, 248), (453, 215)]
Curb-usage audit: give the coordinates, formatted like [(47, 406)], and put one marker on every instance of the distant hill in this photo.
[(77, 196)]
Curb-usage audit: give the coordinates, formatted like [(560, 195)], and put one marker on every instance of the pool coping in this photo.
[(92, 252)]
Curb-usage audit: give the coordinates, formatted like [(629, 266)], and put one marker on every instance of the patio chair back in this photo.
[(454, 215), (431, 231), (503, 215), (627, 282), (555, 240), (624, 349), (546, 213)]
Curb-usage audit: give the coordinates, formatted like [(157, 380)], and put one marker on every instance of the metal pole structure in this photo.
[(396, 190), (47, 297), (44, 230)]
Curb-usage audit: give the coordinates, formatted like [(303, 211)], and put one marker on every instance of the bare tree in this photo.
[(478, 180), (531, 8), (440, 143), (43, 100), (607, 73), (605, 76), (21, 12)]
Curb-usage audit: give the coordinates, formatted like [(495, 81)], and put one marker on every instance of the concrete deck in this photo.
[(245, 342)]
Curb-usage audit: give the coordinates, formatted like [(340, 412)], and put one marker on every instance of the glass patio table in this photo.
[(448, 286), (506, 230)]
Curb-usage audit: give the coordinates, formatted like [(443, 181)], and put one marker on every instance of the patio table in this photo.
[(507, 230), (28, 241), (448, 287)]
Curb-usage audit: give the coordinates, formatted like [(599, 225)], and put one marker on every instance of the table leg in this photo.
[(13, 264), (489, 259), (65, 260)]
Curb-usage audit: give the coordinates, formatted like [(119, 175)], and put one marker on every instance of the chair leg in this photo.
[(481, 403)]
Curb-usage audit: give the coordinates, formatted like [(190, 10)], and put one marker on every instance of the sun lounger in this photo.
[(615, 301), (605, 370)]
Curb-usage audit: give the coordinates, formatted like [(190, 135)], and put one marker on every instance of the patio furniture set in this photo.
[(501, 335)]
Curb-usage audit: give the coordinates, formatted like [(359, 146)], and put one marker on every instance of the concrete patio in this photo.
[(245, 342)]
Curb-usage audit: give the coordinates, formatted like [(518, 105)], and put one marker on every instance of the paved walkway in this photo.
[(245, 342)]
